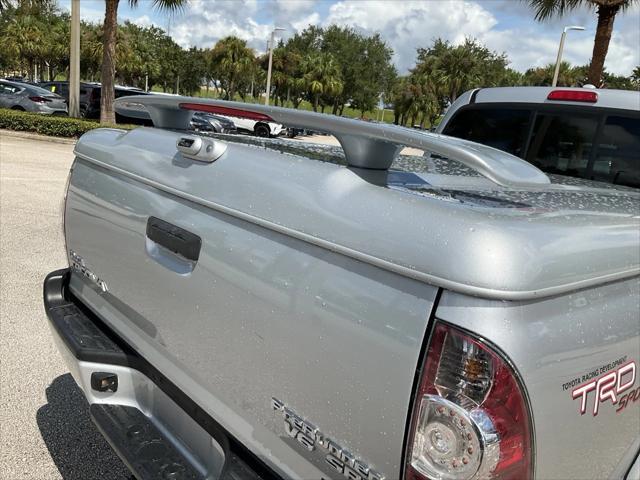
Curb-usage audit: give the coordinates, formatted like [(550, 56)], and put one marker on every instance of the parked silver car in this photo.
[(30, 98), (243, 308)]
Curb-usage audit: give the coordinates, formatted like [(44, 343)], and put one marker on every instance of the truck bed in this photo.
[(315, 289)]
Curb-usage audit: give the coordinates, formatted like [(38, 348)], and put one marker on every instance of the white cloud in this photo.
[(304, 22), (503, 25), (535, 44), (143, 21), (90, 10), (295, 6), (409, 25), (205, 22)]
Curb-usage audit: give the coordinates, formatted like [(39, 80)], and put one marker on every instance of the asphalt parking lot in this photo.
[(45, 430)]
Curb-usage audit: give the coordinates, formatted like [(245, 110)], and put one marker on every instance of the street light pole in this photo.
[(560, 48), (273, 32), (74, 61)]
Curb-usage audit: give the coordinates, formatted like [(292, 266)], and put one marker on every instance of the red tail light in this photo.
[(470, 419), (574, 96), (39, 99)]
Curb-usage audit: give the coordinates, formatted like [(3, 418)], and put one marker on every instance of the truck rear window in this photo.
[(502, 128), (618, 156), (562, 143), (596, 146)]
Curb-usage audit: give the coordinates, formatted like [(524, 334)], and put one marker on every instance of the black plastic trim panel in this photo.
[(142, 447), (174, 238), (89, 339)]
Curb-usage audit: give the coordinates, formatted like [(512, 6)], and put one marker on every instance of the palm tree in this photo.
[(25, 34), (231, 61), (606, 11), (108, 75), (543, 76), (322, 76)]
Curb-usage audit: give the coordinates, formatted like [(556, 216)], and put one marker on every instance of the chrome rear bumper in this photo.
[(153, 426)]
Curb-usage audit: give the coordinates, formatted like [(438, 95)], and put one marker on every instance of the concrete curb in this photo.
[(36, 136)]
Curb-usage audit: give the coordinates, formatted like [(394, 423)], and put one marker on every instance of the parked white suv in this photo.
[(260, 128)]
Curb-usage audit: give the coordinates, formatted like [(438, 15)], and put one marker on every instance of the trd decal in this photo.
[(608, 387)]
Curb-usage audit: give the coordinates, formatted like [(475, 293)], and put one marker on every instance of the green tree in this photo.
[(363, 68), (287, 75), (169, 55), (568, 76), (55, 48), (289, 62), (635, 77), (461, 67), (232, 61), (193, 68), (25, 39), (407, 96), (90, 51), (442, 72), (606, 11), (322, 76), (619, 82), (109, 41)]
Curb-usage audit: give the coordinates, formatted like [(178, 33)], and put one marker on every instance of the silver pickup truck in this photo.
[(242, 308)]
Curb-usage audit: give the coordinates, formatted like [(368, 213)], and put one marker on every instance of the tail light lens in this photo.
[(471, 419), (39, 99), (574, 96)]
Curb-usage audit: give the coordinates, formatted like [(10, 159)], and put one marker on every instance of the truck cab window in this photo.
[(561, 143), (502, 128), (618, 157)]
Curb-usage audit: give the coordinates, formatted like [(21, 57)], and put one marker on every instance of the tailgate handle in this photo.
[(173, 238)]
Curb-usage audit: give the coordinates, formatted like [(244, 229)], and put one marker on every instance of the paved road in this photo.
[(45, 430)]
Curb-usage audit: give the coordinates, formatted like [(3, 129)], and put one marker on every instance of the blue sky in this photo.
[(503, 25)]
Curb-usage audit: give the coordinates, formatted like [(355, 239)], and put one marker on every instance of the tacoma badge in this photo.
[(78, 265), (308, 435)]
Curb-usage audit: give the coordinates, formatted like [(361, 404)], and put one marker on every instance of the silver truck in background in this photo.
[(244, 308), (577, 132)]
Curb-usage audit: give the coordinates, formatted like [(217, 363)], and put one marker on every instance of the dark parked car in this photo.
[(86, 92), (20, 79), (90, 97), (206, 122)]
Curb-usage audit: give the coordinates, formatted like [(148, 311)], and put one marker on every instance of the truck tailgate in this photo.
[(258, 321)]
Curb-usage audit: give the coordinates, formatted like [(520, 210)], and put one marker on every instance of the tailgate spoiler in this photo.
[(366, 145)]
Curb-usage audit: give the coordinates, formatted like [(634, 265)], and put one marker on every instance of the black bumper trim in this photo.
[(91, 340)]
